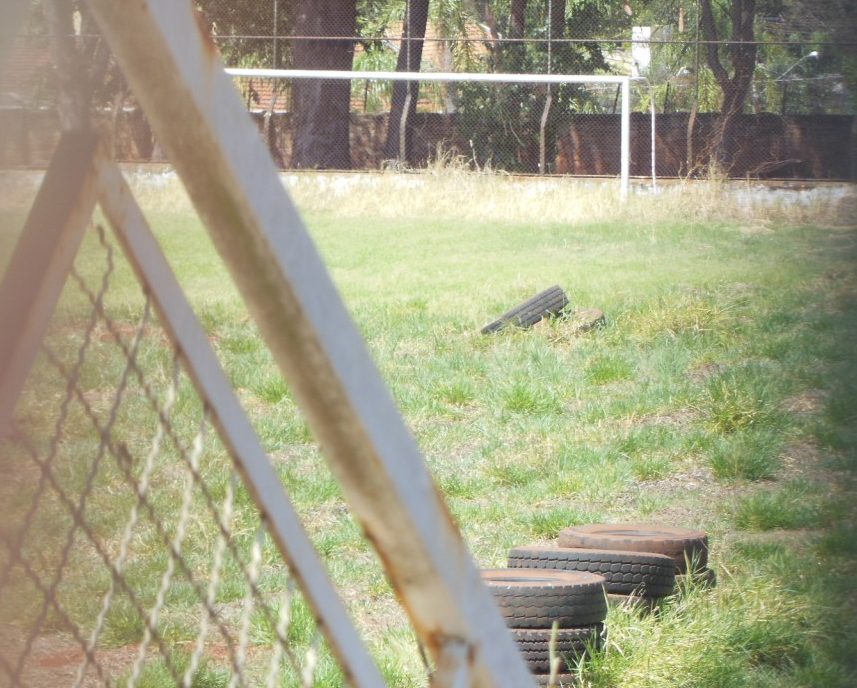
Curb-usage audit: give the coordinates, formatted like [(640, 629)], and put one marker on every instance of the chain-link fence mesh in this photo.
[(130, 551), (794, 115)]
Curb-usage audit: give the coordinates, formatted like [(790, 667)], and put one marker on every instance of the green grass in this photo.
[(794, 506), (720, 395), (750, 455)]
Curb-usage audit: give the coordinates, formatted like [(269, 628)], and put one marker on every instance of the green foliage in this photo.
[(244, 32), (602, 370), (529, 397), (739, 399), (374, 95), (156, 673), (795, 505), (503, 124), (123, 625), (546, 523), (747, 454)]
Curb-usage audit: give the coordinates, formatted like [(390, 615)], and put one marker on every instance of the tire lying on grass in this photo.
[(536, 598), (683, 545), (570, 645), (625, 573), (550, 302)]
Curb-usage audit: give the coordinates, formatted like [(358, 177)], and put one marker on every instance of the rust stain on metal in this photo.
[(428, 636), (455, 664)]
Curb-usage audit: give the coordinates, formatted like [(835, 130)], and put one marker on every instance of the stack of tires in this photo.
[(687, 548), (554, 598), (639, 562), (642, 576), (552, 614)]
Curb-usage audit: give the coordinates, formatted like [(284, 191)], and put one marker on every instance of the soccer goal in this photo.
[(597, 94)]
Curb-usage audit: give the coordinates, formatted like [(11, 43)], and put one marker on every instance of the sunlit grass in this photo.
[(678, 410)]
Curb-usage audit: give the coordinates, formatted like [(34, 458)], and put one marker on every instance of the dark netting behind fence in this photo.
[(792, 114)]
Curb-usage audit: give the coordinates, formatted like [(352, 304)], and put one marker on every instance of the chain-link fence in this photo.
[(130, 551), (148, 536), (768, 98)]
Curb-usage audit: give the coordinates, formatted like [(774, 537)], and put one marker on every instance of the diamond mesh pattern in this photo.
[(130, 552)]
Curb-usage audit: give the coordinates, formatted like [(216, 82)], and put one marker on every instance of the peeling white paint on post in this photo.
[(196, 114)]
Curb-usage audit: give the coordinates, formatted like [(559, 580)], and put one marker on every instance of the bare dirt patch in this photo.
[(706, 371), (55, 660), (807, 403)]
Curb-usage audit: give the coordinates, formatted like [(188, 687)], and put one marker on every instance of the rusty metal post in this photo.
[(176, 74)]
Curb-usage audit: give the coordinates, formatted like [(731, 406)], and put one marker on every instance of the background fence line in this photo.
[(802, 66)]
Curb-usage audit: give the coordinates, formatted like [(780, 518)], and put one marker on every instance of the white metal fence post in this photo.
[(176, 74), (625, 171)]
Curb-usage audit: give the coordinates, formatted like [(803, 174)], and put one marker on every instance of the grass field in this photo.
[(721, 395)]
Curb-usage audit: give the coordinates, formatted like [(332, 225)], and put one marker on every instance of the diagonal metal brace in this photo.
[(179, 321)]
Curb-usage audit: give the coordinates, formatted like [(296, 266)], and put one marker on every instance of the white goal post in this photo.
[(474, 77)]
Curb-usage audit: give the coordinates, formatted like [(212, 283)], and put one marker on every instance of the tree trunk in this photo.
[(406, 93), (518, 15), (557, 20), (516, 49), (735, 87), (320, 108)]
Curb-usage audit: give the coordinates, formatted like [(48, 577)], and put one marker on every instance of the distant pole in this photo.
[(696, 58), (626, 139), (274, 33), (654, 140)]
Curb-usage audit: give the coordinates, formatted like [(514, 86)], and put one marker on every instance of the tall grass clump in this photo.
[(741, 398), (795, 505), (747, 455)]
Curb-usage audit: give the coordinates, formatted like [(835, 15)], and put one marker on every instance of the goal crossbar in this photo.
[(474, 77), (503, 78)]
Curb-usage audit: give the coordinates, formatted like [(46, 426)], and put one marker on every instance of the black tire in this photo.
[(625, 573), (571, 644), (536, 598), (681, 544), (548, 303)]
